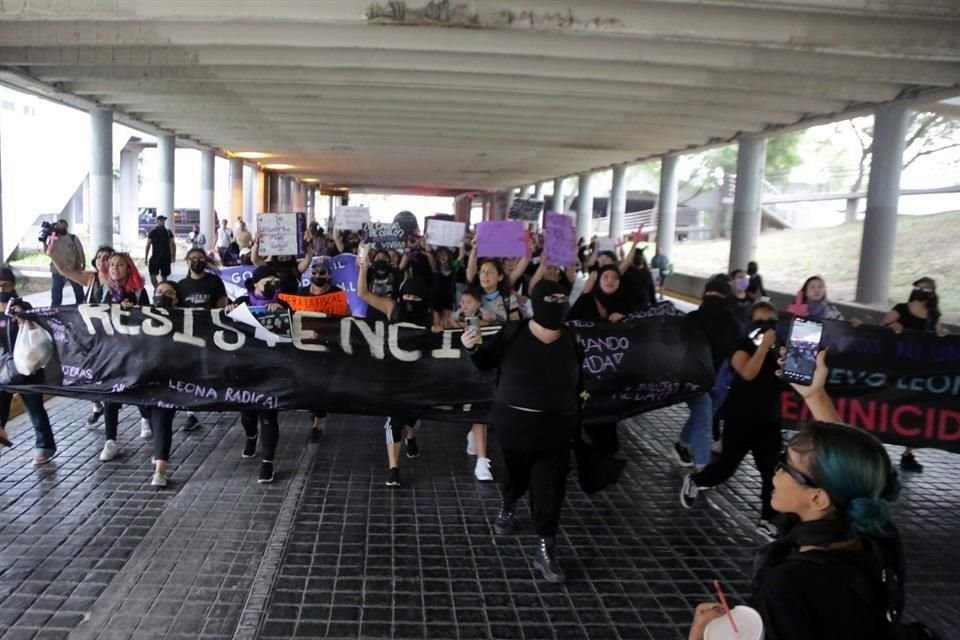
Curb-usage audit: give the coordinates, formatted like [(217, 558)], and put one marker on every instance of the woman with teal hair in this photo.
[(823, 578)]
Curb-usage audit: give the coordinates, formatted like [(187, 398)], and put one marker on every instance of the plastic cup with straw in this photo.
[(726, 608)]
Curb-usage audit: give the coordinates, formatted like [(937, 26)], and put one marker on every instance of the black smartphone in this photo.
[(803, 345)]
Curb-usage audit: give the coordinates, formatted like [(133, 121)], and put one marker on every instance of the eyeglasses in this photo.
[(801, 478)]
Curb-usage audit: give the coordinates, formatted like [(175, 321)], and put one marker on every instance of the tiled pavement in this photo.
[(90, 550)]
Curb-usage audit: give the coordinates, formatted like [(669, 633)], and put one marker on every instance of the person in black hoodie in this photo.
[(603, 298), (829, 576), (536, 412), (413, 308), (716, 318), (45, 445)]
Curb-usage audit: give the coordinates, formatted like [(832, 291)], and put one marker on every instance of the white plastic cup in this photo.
[(749, 626)]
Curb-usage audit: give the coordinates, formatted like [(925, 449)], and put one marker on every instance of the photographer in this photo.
[(66, 253)]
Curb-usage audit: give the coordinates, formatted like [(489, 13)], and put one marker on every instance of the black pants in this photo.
[(111, 418), (269, 432), (161, 423), (740, 436), (395, 425), (33, 402), (57, 282)]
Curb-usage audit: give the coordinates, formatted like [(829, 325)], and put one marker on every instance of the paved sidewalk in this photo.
[(90, 550)]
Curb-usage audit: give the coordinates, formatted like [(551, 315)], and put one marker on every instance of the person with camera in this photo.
[(45, 445), (160, 252), (58, 241), (752, 417)]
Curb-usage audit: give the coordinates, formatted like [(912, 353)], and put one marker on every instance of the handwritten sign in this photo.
[(351, 218), (332, 304), (606, 244), (444, 233), (384, 235), (501, 239), (559, 240), (526, 209), (281, 234), (343, 274)]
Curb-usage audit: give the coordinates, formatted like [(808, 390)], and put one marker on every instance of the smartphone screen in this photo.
[(802, 348), (473, 323)]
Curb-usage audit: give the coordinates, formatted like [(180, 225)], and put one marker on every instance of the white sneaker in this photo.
[(471, 445), (109, 451), (145, 431), (159, 479), (482, 470)]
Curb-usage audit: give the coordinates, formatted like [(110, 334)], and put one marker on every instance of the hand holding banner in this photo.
[(332, 304), (559, 240), (501, 239), (444, 233)]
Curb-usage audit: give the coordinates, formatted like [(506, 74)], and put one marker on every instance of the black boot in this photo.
[(503, 525), (546, 561)]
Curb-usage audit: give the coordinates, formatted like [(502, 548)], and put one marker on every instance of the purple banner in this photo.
[(559, 240), (501, 239), (344, 273)]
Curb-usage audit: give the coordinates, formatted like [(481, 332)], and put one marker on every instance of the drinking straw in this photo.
[(726, 609)]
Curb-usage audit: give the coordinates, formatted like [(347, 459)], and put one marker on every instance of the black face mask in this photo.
[(764, 325), (922, 295), (319, 281), (199, 266), (415, 311), (161, 301), (269, 290), (7, 296), (381, 266), (549, 315)]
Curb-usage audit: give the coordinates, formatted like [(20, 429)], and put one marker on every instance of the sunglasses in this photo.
[(801, 478)]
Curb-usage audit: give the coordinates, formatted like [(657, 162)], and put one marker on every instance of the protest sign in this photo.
[(344, 272), (384, 235), (501, 239), (332, 304), (559, 240), (281, 234), (526, 209), (235, 278), (350, 218), (443, 233), (607, 244)]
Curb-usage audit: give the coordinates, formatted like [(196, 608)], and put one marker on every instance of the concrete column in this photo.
[(272, 184), (618, 201), (511, 195), (883, 197), (166, 145), (249, 191), (667, 205), (207, 185), (129, 220), (751, 157), (236, 192), (538, 191), (585, 207), (303, 197), (3, 250), (286, 203), (101, 177), (260, 203), (556, 202)]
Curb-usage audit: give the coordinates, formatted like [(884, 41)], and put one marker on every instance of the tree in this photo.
[(927, 133)]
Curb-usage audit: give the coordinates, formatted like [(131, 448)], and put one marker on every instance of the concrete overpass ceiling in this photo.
[(448, 96)]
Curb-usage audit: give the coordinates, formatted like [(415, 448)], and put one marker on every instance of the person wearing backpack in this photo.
[(836, 572)]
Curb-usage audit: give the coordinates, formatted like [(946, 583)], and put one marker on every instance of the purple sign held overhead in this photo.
[(501, 239), (344, 273), (559, 240)]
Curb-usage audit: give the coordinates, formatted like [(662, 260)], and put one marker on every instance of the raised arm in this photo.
[(381, 304), (83, 278), (255, 252), (472, 262), (628, 260)]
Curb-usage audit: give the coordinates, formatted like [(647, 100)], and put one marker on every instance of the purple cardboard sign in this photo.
[(501, 239), (559, 240), (344, 273)]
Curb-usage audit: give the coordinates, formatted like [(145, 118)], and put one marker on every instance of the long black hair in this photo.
[(933, 302)]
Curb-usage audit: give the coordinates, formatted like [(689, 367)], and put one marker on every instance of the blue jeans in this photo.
[(33, 402), (57, 282), (696, 433)]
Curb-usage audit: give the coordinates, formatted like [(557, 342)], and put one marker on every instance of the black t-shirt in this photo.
[(757, 399), (638, 284), (160, 244), (910, 321), (535, 375), (202, 293)]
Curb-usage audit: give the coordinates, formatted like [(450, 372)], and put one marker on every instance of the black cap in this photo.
[(7, 275), (719, 285), (416, 287), (161, 217)]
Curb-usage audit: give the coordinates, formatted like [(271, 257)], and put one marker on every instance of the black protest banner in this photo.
[(904, 389), (526, 209), (200, 359)]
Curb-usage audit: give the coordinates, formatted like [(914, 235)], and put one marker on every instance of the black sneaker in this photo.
[(413, 451), (316, 435), (250, 448), (192, 423), (503, 525), (909, 463), (266, 472), (393, 477), (93, 417), (682, 453), (689, 492)]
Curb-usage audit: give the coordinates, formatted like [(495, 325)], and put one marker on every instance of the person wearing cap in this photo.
[(921, 312), (413, 307), (716, 319), (45, 445), (161, 250)]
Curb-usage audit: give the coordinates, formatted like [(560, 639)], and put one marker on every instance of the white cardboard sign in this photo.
[(278, 234), (445, 233), (351, 218)]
